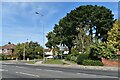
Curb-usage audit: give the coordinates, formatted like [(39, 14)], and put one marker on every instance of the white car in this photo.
[(49, 57)]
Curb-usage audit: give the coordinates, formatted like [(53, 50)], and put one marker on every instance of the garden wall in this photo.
[(110, 62)]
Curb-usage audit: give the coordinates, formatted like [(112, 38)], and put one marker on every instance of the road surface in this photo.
[(30, 71)]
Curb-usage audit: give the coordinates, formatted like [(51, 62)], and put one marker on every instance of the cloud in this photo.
[(115, 14)]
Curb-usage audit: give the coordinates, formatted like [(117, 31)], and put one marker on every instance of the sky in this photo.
[(19, 21)]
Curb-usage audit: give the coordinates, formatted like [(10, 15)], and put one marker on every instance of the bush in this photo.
[(92, 63), (81, 57), (68, 57), (3, 57), (102, 50), (74, 52), (73, 58)]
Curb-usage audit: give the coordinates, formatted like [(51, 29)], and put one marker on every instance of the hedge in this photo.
[(92, 63), (82, 57)]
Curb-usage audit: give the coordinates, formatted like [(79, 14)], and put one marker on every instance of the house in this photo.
[(49, 53), (0, 49), (66, 51), (7, 49)]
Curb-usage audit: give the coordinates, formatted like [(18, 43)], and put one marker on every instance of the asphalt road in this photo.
[(29, 71)]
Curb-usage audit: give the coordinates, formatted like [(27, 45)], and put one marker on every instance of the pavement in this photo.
[(105, 68), (68, 65)]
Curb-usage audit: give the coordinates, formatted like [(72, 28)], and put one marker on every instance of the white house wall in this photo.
[(0, 50)]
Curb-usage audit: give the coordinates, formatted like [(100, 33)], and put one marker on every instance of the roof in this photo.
[(66, 49), (47, 50), (9, 46)]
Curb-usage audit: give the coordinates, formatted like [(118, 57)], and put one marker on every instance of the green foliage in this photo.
[(92, 63), (81, 58), (54, 61), (52, 40), (3, 57), (102, 50), (88, 19), (32, 50), (71, 57), (82, 40), (74, 52), (93, 18), (68, 57), (114, 35)]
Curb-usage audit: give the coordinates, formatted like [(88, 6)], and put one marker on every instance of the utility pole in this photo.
[(24, 52)]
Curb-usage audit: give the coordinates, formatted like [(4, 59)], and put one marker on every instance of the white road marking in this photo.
[(49, 70), (78, 73), (3, 70), (52, 70), (19, 67), (58, 71), (4, 65), (28, 74)]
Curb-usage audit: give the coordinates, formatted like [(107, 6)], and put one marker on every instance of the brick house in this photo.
[(7, 49)]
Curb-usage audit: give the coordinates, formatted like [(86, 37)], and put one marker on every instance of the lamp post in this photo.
[(61, 49), (43, 36), (24, 52)]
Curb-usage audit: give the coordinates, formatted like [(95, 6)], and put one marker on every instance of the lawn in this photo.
[(29, 62), (54, 61), (71, 62)]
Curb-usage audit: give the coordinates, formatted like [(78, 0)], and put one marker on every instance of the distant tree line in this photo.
[(32, 50)]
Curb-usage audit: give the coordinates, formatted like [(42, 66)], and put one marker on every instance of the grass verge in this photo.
[(54, 61)]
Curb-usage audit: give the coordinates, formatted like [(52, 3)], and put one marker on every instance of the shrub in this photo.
[(3, 57), (74, 52), (92, 63), (102, 50), (73, 58), (81, 57), (68, 57)]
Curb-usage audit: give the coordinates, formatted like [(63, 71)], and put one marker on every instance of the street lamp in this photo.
[(61, 49), (43, 36), (24, 52)]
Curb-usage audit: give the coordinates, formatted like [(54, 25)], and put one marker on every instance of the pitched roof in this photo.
[(47, 50), (9, 46), (66, 49)]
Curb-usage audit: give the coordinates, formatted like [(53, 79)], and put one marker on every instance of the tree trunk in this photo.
[(69, 50)]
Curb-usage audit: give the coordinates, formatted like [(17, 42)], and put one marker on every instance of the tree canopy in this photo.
[(96, 21), (114, 35), (31, 50)]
